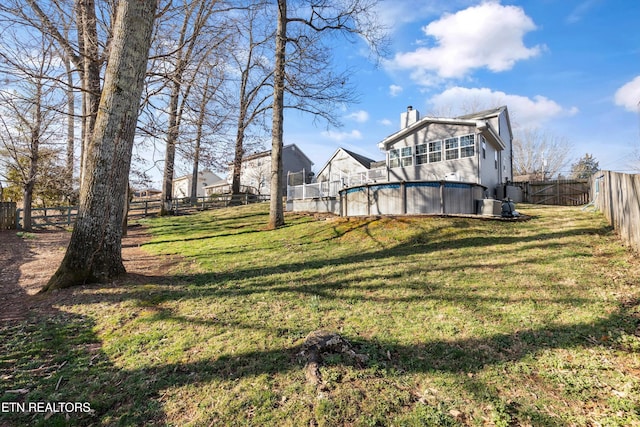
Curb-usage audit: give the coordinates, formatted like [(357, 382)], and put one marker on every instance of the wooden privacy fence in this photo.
[(7, 215), (573, 192), (617, 196)]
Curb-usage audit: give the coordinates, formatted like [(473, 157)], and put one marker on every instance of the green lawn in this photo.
[(465, 322)]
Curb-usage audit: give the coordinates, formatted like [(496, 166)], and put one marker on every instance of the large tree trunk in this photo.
[(89, 51), (95, 250), (276, 210)]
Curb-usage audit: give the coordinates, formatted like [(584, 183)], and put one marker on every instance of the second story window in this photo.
[(422, 156), (451, 148), (467, 146), (406, 154), (435, 151), (394, 158)]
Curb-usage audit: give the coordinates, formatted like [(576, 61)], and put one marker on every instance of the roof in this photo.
[(200, 175), (363, 160), (477, 120), (485, 114), (293, 147)]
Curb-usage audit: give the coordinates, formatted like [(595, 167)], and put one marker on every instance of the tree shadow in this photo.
[(59, 358), (53, 355)]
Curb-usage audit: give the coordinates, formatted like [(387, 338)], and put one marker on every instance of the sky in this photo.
[(568, 67)]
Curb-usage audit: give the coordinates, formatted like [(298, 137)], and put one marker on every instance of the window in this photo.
[(467, 146), (406, 156), (496, 159), (484, 147), (451, 148), (435, 151), (394, 158), (422, 156)]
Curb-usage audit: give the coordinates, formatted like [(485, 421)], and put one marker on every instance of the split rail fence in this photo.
[(64, 216)]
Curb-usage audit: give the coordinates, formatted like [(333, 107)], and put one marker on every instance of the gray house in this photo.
[(255, 174), (433, 165), (343, 165), (475, 148)]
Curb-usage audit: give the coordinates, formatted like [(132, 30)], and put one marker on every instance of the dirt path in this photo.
[(28, 261)]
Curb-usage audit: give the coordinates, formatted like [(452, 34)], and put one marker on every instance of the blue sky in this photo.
[(569, 67)]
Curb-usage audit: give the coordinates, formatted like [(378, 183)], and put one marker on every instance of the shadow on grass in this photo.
[(55, 356), (324, 277), (58, 359)]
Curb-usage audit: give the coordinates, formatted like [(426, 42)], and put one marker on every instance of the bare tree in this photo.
[(174, 61), (29, 103), (254, 89), (95, 249), (539, 154), (303, 74), (81, 30), (85, 54)]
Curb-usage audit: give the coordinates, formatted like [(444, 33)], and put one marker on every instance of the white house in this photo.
[(432, 165), (475, 148), (182, 185)]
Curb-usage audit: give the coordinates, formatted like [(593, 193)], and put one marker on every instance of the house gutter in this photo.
[(490, 134)]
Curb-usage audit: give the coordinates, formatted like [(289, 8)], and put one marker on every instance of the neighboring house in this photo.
[(148, 193), (182, 185), (475, 148), (256, 169), (343, 165)]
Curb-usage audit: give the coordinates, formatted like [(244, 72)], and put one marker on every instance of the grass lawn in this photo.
[(464, 321)]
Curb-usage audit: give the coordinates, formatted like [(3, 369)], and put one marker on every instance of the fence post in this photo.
[(403, 195), (18, 219)]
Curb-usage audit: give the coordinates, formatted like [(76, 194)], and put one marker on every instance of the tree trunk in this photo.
[(71, 106), (170, 154), (27, 201), (89, 49), (196, 150), (237, 159), (276, 210), (95, 249)]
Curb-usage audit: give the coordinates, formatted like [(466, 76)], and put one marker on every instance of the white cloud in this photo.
[(342, 136), (524, 111), (628, 96), (395, 90), (581, 10), (489, 35), (358, 116), (386, 122)]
